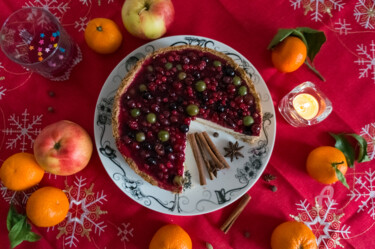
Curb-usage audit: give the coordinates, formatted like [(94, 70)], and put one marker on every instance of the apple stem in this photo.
[(99, 28), (147, 7)]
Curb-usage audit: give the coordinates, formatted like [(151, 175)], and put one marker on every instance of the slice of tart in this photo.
[(164, 92)]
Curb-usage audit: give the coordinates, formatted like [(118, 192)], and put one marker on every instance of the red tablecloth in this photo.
[(347, 61)]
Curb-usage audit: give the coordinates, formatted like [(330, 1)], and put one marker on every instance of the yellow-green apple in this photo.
[(147, 19), (63, 148)]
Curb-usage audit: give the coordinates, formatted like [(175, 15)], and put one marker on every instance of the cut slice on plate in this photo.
[(164, 92)]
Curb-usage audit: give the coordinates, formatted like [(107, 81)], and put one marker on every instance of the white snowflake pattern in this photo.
[(367, 60), (366, 193), (22, 131), (89, 2), (81, 24), (318, 7), (84, 212), (368, 133), (324, 223), (18, 198), (342, 26), (58, 9), (364, 13), (125, 231), (2, 90)]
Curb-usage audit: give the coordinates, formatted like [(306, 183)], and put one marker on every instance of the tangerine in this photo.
[(20, 172), (293, 235), (321, 163), (48, 206), (171, 236), (289, 54), (103, 35)]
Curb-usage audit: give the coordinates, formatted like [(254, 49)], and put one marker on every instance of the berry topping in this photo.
[(163, 135), (242, 90), (151, 118), (200, 86), (192, 110)]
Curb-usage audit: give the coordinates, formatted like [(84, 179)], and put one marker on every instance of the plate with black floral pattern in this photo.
[(229, 185)]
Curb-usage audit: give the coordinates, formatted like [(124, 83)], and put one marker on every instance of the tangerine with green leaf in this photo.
[(327, 165), (289, 55)]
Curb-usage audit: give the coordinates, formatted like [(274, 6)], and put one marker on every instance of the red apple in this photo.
[(147, 19), (63, 148)]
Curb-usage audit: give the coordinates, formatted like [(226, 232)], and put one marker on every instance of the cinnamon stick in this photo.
[(205, 159), (235, 213), (209, 150), (198, 158), (215, 150)]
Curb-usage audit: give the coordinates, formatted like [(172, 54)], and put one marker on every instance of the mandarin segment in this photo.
[(20, 172), (321, 161), (171, 236), (46, 207), (293, 235)]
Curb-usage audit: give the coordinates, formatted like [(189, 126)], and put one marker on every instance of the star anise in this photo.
[(233, 151)]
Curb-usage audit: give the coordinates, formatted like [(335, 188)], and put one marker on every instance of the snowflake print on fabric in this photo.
[(364, 13), (368, 133), (324, 223), (366, 60), (58, 9), (124, 231), (84, 213), (89, 2), (365, 193), (342, 26), (81, 24), (17, 198), (318, 7), (2, 91), (22, 131)]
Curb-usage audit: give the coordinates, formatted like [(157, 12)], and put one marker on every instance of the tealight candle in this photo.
[(305, 105)]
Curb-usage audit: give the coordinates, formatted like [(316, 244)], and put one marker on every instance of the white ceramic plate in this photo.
[(196, 199)]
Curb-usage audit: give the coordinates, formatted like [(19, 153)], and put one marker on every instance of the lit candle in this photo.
[(306, 105)]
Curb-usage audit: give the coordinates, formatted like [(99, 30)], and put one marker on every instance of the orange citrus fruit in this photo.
[(321, 164), (289, 55), (20, 172), (103, 35), (171, 236), (47, 207), (293, 235)]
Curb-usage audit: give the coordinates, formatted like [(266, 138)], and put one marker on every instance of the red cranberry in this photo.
[(133, 125), (174, 119)]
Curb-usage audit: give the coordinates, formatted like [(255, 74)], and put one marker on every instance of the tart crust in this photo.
[(126, 82)]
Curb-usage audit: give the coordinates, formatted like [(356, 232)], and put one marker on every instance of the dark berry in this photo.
[(146, 146), (184, 128), (151, 160), (229, 71), (220, 108), (168, 149), (146, 95), (205, 59), (172, 106)]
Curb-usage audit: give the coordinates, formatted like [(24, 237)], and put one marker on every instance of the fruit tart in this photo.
[(164, 92)]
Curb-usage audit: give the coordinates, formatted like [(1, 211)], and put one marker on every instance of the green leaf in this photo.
[(362, 152), (13, 217), (340, 176), (315, 39), (279, 37), (343, 144), (19, 229)]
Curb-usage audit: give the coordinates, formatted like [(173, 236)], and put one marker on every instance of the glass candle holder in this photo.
[(305, 105), (34, 38)]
